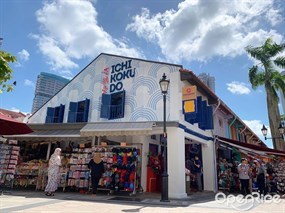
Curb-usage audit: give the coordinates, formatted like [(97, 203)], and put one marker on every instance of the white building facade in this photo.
[(120, 98)]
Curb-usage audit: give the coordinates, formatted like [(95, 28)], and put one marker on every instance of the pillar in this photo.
[(209, 167), (176, 162)]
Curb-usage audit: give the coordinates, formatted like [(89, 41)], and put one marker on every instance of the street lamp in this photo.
[(164, 83), (281, 129)]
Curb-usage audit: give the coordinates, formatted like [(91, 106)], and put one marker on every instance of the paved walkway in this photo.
[(31, 201)]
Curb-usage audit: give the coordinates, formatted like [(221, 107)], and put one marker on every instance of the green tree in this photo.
[(266, 74), (6, 71)]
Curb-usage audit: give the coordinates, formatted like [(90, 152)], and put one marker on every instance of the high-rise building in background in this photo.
[(47, 86), (208, 80), (282, 99)]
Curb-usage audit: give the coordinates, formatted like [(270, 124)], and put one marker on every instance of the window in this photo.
[(78, 111), (113, 105), (55, 115)]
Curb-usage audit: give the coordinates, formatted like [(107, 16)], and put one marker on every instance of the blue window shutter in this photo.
[(203, 122), (50, 115), (86, 110), (72, 114), (105, 106), (61, 113), (122, 108), (199, 110), (210, 121)]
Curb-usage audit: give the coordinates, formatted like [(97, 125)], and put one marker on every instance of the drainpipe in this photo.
[(215, 179), (229, 129)]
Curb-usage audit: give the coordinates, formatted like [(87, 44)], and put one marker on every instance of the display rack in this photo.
[(27, 174), (9, 154)]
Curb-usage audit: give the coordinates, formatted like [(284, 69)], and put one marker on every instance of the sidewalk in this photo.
[(152, 199)]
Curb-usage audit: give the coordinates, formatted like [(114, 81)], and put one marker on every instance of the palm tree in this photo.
[(266, 74)]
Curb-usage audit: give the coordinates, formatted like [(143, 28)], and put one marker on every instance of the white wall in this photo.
[(143, 95)]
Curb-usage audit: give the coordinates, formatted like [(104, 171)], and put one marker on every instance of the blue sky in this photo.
[(62, 37)]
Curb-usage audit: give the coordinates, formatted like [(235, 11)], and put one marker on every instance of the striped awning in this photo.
[(117, 128)]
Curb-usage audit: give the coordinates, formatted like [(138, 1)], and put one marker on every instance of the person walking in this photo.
[(244, 171), (96, 166), (53, 173), (198, 172), (260, 177)]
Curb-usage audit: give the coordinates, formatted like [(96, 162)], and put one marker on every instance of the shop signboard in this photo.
[(189, 93)]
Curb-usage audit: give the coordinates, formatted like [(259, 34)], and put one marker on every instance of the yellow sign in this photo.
[(189, 92), (189, 106)]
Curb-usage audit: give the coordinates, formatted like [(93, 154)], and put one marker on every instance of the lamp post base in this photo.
[(164, 190)]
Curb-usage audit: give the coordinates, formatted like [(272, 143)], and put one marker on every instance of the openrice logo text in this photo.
[(246, 203)]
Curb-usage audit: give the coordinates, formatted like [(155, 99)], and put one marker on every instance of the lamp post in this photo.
[(281, 129), (164, 83)]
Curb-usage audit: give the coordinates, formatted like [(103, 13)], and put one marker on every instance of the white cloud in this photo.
[(29, 83), (199, 30), (24, 55), (256, 126), (238, 88), (69, 31)]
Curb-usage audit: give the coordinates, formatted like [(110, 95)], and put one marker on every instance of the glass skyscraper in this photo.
[(47, 86), (208, 80)]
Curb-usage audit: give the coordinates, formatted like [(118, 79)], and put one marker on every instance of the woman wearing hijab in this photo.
[(53, 172), (96, 166)]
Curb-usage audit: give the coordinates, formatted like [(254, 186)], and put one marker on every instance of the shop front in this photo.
[(117, 102), (229, 155)]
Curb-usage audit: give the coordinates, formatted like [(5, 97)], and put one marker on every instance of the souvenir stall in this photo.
[(229, 157), (122, 168)]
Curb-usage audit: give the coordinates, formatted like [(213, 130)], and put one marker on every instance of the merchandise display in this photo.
[(27, 173), (77, 168), (9, 154), (122, 168)]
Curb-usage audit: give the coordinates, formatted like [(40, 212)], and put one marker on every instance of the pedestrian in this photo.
[(53, 173), (198, 172), (244, 172), (96, 166), (260, 177)]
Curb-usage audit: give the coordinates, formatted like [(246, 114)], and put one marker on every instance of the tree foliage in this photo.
[(6, 71), (266, 74)]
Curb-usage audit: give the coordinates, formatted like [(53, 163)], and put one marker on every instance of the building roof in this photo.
[(12, 114)]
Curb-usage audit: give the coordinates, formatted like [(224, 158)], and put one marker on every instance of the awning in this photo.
[(251, 148), (49, 134), (10, 126), (117, 128)]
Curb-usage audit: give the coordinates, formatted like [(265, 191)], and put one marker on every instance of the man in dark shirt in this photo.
[(198, 172)]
